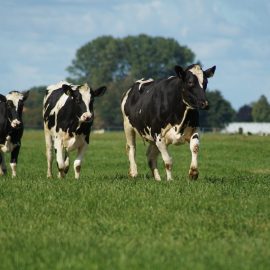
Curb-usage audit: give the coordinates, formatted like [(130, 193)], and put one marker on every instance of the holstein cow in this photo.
[(11, 128), (165, 112), (68, 117)]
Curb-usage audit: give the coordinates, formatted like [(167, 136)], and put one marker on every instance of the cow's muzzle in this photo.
[(204, 105), (86, 117)]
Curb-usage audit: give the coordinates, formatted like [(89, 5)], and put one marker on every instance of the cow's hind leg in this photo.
[(78, 160), (3, 167), (152, 155), (194, 148), (162, 147), (131, 148), (49, 151)]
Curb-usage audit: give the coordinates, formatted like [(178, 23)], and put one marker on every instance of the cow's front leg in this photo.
[(14, 159), (49, 151), (194, 148), (66, 162), (152, 155), (60, 157), (162, 147), (78, 160), (131, 148), (8, 147), (3, 167)]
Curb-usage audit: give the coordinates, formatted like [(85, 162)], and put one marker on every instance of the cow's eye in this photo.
[(190, 83), (76, 99), (9, 103)]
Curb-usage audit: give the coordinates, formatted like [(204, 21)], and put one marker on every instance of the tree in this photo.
[(261, 110), (107, 59), (244, 114), (108, 111), (118, 62), (219, 113), (33, 108)]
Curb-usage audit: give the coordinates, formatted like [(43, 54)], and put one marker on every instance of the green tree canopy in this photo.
[(261, 110), (107, 59), (244, 114), (33, 108), (219, 113)]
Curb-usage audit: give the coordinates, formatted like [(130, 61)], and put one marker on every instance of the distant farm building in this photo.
[(248, 128)]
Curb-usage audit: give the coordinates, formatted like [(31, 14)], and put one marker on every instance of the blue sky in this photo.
[(39, 39)]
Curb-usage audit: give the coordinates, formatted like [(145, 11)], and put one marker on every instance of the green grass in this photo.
[(108, 221)]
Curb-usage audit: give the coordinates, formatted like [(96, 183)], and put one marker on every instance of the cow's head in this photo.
[(194, 85), (2, 98), (83, 97), (14, 103)]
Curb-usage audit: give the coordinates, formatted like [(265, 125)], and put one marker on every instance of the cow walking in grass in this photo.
[(165, 112), (11, 128), (68, 117)]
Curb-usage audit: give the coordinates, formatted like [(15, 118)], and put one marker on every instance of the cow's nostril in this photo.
[(203, 104), (87, 118)]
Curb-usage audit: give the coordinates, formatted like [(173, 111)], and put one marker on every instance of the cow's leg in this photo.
[(8, 145), (3, 167), (60, 157), (162, 147), (152, 155), (78, 160), (131, 147), (66, 162), (14, 159), (49, 151), (194, 148)]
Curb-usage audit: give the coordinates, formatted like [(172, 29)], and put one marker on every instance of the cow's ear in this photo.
[(210, 72), (2, 98), (179, 72), (25, 95), (67, 89), (100, 91)]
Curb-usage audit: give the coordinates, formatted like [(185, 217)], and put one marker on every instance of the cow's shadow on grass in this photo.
[(214, 179)]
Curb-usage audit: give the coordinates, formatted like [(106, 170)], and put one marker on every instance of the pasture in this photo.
[(106, 220)]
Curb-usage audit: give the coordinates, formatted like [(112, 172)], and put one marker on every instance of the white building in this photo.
[(248, 128)]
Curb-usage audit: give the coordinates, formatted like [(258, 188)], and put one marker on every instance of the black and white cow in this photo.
[(68, 117), (11, 128), (165, 112)]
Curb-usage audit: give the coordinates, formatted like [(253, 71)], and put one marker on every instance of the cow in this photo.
[(68, 117), (11, 128), (164, 112)]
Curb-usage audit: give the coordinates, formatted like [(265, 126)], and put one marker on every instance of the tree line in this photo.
[(119, 62)]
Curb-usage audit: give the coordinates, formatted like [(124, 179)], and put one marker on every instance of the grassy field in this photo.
[(108, 221)]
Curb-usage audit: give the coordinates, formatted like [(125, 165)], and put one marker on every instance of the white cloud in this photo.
[(210, 50)]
